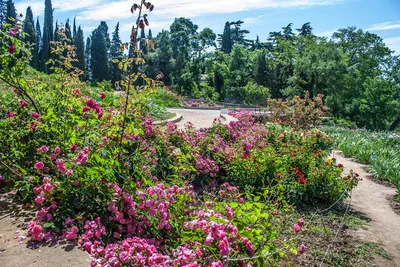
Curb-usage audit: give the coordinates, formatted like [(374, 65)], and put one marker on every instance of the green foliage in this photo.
[(79, 42), (30, 38), (11, 13), (378, 149), (165, 98), (98, 57), (256, 94), (116, 53), (47, 33), (379, 105)]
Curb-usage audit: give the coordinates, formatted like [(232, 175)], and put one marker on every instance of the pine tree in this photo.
[(47, 31), (30, 36), (226, 42), (150, 36), (3, 11), (11, 13), (41, 65), (99, 59), (80, 49), (305, 30), (116, 53), (88, 68)]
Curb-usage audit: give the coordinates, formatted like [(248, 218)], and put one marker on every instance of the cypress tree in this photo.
[(226, 43), (30, 37), (88, 68), (99, 59), (47, 31), (39, 44), (104, 29), (56, 29), (74, 31), (116, 53), (80, 49), (3, 10), (142, 43), (131, 52), (68, 32), (150, 36), (11, 13), (260, 69)]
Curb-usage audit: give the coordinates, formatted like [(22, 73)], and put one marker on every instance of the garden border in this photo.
[(177, 118)]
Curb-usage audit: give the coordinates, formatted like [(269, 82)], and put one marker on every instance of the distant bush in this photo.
[(256, 94), (165, 98)]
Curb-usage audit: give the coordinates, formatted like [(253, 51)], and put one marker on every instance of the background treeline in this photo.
[(357, 73)]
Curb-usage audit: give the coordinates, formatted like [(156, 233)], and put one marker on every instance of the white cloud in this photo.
[(394, 44), (192, 8), (384, 26), (59, 5), (154, 25)]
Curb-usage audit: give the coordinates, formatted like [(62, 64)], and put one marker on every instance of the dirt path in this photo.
[(373, 199), (13, 218), (199, 118)]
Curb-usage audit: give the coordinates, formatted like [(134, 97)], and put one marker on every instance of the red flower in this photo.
[(340, 165)]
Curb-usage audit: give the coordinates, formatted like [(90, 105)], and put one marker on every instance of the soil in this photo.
[(396, 204), (374, 200)]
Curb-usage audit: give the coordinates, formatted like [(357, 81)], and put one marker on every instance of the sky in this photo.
[(260, 16)]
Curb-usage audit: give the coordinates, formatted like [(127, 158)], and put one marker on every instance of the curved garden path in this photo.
[(200, 118), (373, 199)]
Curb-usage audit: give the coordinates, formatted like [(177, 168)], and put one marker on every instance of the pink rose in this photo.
[(296, 228), (73, 147), (11, 49), (35, 115), (23, 103), (39, 199), (39, 165)]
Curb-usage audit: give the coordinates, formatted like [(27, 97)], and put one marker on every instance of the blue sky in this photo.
[(260, 16)]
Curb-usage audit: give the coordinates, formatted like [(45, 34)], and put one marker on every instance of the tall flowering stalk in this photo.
[(141, 22)]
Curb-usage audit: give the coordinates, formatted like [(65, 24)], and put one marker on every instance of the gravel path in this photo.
[(373, 199)]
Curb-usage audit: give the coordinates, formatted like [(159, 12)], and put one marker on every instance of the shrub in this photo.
[(301, 113), (256, 94), (166, 98)]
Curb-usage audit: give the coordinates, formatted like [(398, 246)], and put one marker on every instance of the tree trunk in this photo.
[(395, 124)]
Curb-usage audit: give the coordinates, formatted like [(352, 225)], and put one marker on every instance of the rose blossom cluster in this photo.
[(206, 165), (95, 106), (82, 157)]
